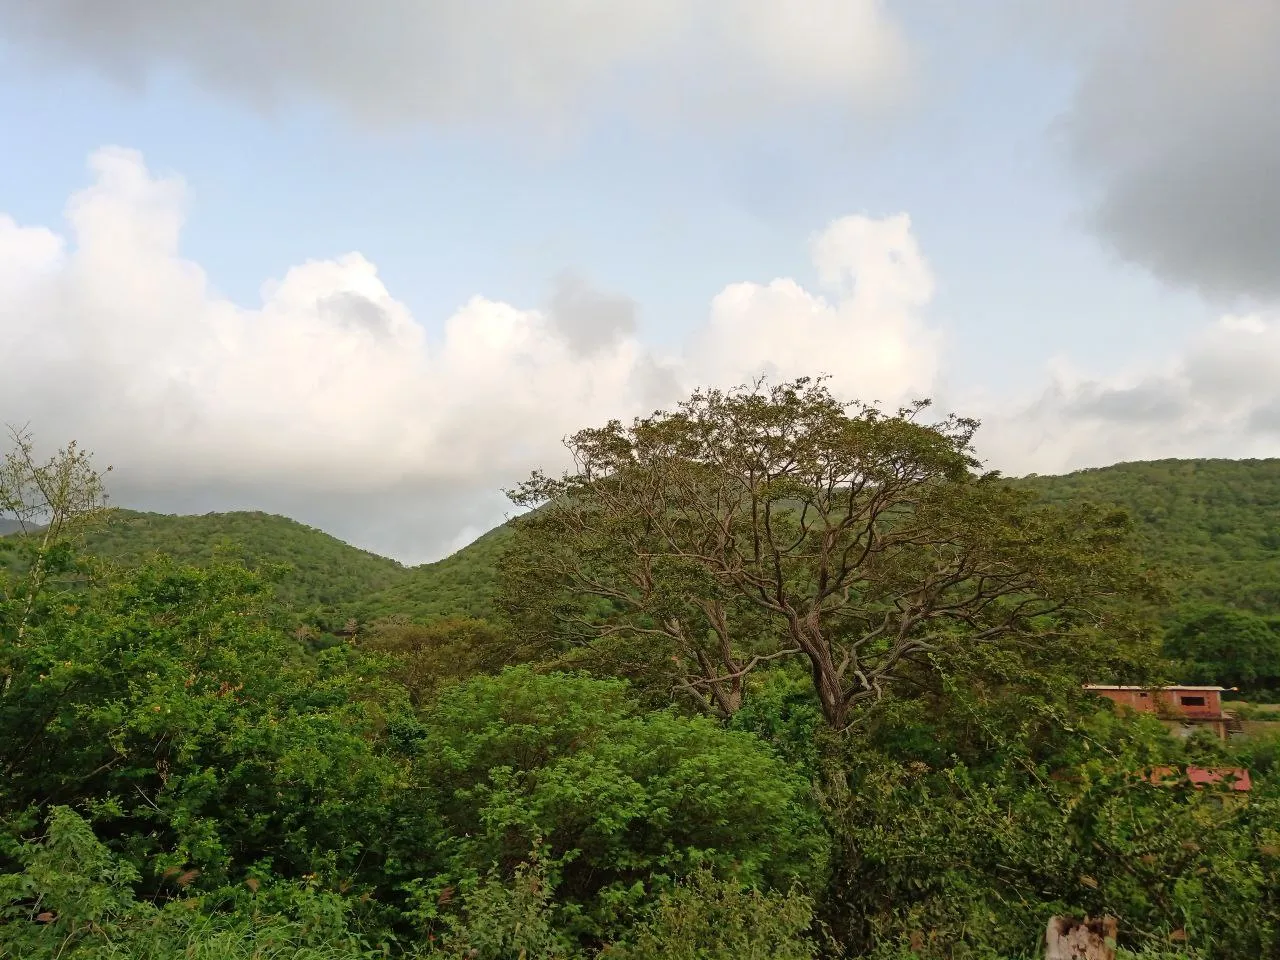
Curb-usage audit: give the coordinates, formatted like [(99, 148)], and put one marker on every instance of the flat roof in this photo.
[(1173, 686)]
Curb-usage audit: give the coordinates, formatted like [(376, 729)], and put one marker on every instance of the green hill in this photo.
[(1214, 524), (462, 584), (324, 571)]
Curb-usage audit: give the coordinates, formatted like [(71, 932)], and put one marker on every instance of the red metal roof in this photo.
[(1175, 686), (1200, 776)]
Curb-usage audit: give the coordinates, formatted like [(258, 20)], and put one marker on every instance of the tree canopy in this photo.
[(777, 521)]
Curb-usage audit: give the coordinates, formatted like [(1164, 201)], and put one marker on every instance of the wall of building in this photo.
[(1169, 702)]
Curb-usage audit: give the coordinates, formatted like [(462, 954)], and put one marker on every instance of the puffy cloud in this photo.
[(1218, 395), (462, 60), (867, 335), (330, 402), (1175, 124)]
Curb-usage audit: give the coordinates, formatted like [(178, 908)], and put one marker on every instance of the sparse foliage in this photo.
[(53, 503)]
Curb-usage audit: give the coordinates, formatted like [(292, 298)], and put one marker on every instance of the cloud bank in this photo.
[(459, 61), (328, 400), (1217, 395), (1174, 124)]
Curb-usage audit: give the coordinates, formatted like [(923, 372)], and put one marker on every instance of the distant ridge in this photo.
[(1215, 524)]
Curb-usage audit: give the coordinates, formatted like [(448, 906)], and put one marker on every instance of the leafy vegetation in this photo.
[(1212, 527), (321, 571), (505, 760), (318, 575), (464, 584), (1213, 524)]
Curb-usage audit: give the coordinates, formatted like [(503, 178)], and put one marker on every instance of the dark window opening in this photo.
[(1193, 701), (1143, 696)]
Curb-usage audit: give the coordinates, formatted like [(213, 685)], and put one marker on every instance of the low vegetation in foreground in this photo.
[(766, 676)]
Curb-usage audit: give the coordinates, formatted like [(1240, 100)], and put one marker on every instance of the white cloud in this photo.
[(867, 335), (330, 402), (1217, 395), (464, 60)]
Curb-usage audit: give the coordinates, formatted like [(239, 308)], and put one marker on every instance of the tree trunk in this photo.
[(1089, 939)]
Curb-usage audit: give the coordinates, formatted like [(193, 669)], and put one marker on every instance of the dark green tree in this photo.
[(1218, 645)]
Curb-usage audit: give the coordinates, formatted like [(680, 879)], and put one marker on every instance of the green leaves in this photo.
[(711, 918), (1219, 645), (171, 703), (621, 796), (772, 522)]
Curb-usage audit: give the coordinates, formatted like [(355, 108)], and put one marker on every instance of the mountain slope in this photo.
[(463, 584), (1214, 524), (325, 572)]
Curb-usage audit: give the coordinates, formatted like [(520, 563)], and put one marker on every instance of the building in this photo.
[(1182, 709)]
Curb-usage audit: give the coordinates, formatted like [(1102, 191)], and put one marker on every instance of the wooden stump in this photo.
[(1089, 939)]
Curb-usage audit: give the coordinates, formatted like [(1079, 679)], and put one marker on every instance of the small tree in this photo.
[(53, 503), (777, 521)]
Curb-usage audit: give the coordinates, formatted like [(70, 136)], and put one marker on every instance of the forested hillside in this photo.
[(324, 571), (1214, 523), (462, 584)]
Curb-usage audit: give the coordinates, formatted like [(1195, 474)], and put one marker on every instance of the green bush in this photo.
[(173, 707), (73, 900), (623, 800), (708, 918)]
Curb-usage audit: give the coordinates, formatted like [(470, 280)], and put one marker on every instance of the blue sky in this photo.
[(1045, 310)]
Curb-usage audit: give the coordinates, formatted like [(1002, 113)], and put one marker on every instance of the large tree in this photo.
[(777, 521)]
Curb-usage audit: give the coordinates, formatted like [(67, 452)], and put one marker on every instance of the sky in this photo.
[(367, 267)]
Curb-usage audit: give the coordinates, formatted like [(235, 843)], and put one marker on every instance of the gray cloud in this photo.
[(460, 61), (356, 312), (588, 319), (1175, 124), (1266, 420), (1158, 401)]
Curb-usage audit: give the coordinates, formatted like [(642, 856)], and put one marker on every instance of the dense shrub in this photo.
[(623, 800)]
